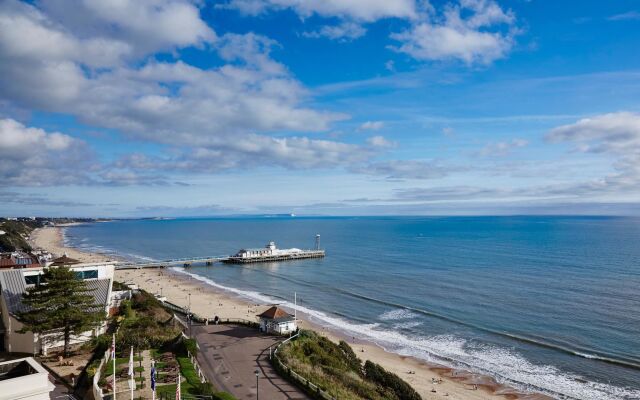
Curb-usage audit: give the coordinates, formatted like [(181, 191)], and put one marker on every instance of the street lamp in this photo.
[(189, 315), (257, 377)]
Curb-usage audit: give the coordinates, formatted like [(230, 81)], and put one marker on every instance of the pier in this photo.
[(276, 257), (184, 262), (269, 253)]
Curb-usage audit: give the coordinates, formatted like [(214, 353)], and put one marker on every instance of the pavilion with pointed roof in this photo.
[(278, 321), (64, 260)]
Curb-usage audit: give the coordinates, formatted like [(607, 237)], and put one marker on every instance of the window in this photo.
[(33, 279), (90, 274)]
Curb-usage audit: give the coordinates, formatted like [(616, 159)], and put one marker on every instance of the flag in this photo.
[(153, 377), (178, 396), (113, 347), (132, 384)]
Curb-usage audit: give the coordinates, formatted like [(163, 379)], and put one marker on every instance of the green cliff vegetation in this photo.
[(17, 230), (15, 234), (336, 369)]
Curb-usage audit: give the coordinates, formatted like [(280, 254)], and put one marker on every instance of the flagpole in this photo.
[(178, 391), (132, 381), (113, 357)]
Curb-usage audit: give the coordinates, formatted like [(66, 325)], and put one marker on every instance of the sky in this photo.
[(319, 107)]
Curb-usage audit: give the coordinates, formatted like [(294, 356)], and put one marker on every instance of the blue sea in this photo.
[(548, 304)]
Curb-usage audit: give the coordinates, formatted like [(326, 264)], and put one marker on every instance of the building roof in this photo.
[(275, 313), (64, 260), (13, 285), (18, 260), (100, 290)]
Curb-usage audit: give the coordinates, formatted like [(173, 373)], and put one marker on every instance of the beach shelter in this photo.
[(276, 320), (63, 261)]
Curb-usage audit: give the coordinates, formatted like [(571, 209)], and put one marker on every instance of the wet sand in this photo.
[(208, 301)]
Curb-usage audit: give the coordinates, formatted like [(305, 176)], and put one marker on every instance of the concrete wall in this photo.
[(28, 387)]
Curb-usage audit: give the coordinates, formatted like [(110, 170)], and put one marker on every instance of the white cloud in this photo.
[(380, 142), (390, 65), (252, 151), (345, 31), (613, 134), (371, 126), (473, 31), (406, 169), (630, 15), (361, 10), (228, 111), (500, 149), (34, 157), (147, 26)]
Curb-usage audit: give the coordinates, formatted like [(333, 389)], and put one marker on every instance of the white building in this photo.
[(24, 379), (276, 320), (14, 282)]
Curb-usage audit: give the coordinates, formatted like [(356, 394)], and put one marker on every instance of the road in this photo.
[(229, 356)]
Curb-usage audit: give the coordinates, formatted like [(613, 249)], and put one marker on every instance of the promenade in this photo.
[(229, 356)]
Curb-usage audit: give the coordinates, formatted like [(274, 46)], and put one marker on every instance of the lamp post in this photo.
[(189, 315), (257, 377)]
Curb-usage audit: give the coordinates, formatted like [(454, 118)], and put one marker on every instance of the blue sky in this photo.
[(350, 107)]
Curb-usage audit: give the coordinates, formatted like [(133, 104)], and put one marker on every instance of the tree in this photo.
[(60, 306)]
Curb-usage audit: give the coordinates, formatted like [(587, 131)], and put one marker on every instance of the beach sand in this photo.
[(208, 301), (50, 239)]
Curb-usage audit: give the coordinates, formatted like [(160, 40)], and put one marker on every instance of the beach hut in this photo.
[(276, 320)]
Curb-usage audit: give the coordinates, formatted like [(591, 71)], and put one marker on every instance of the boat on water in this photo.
[(271, 253)]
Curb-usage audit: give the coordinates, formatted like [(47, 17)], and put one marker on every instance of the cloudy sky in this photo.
[(342, 107)]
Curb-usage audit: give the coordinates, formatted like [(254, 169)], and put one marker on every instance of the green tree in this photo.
[(61, 305)]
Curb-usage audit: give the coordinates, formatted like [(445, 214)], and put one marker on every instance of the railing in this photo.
[(298, 379), (97, 390)]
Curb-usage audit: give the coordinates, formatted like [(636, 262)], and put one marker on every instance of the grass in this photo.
[(337, 370)]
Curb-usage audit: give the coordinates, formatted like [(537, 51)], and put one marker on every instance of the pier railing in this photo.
[(286, 371)]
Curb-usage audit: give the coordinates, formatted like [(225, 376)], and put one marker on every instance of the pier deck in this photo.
[(187, 262)]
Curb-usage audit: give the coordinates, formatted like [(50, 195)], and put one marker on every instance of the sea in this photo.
[(545, 304)]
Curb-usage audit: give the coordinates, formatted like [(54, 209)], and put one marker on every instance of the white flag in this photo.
[(132, 383)]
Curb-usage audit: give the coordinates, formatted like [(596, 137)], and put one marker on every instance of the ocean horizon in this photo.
[(542, 303)]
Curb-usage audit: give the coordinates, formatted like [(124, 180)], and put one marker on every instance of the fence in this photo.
[(299, 380), (97, 390), (194, 359)]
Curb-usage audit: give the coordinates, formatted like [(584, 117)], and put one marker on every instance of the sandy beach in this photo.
[(430, 380), (50, 239)]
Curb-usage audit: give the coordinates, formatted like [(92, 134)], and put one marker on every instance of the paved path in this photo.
[(145, 393), (230, 355)]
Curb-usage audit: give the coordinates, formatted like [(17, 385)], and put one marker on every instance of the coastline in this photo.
[(210, 301)]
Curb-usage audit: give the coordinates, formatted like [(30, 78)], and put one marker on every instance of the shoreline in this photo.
[(211, 300)]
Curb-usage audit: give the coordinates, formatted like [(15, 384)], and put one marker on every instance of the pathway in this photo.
[(145, 393), (230, 355)]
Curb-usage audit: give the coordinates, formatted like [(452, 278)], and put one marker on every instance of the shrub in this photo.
[(351, 358), (391, 381), (223, 396), (190, 346)]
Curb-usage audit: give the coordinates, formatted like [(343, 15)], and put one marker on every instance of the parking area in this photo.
[(229, 356)]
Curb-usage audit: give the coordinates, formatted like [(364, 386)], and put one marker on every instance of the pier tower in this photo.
[(317, 242)]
